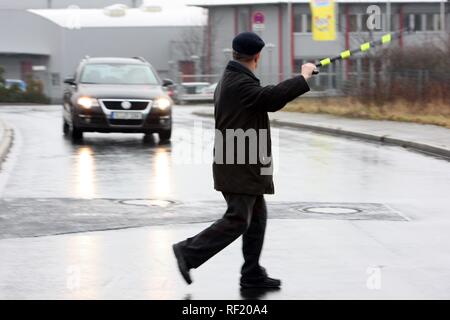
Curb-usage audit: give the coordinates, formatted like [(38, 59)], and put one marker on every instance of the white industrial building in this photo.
[(47, 39)]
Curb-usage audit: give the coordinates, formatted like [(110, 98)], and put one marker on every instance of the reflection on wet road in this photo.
[(325, 258), (85, 173)]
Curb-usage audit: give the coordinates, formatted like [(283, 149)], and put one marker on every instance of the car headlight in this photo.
[(162, 103), (87, 102)]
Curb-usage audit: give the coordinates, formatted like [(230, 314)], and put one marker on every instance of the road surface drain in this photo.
[(348, 211), (331, 210), (147, 203)]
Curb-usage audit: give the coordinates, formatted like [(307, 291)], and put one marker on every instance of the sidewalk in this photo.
[(425, 138)]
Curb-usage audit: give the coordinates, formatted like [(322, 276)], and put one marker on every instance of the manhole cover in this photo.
[(347, 211), (330, 210), (148, 202)]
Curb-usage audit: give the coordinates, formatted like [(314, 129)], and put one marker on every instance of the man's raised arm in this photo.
[(274, 97)]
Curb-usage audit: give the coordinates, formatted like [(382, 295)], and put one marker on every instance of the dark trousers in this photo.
[(246, 215)]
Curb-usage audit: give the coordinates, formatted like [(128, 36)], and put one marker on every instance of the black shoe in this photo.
[(256, 293), (265, 282), (182, 265)]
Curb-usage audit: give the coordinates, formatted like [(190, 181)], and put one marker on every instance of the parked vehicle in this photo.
[(22, 85), (210, 89), (193, 92), (117, 95)]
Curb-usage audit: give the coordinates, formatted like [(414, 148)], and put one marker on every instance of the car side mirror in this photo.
[(167, 83), (70, 81)]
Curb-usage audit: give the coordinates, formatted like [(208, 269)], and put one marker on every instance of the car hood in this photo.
[(102, 91)]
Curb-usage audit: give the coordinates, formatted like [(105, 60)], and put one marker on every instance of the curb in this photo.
[(417, 146), (6, 140)]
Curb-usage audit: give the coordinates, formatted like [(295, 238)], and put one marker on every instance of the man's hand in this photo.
[(307, 70)]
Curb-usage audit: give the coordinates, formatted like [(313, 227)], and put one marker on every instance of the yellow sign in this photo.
[(323, 20)]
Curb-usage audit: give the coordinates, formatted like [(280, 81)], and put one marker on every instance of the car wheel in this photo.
[(148, 138), (165, 135), (66, 128), (77, 134)]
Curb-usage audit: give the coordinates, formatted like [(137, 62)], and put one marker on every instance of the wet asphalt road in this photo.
[(309, 167), (324, 255)]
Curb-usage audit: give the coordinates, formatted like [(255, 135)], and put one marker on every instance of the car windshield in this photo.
[(117, 73)]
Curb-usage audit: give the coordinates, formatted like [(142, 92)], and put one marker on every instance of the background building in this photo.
[(287, 30), (45, 39)]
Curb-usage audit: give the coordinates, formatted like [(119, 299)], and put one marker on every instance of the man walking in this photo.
[(241, 106)]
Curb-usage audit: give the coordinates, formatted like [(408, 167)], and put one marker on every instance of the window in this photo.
[(428, 22), (55, 79), (418, 22), (353, 23), (437, 22), (244, 21), (413, 21), (433, 22), (406, 21), (395, 22), (298, 22), (392, 19), (302, 22), (340, 22), (308, 21)]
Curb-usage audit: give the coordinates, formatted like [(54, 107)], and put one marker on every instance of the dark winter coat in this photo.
[(240, 102)]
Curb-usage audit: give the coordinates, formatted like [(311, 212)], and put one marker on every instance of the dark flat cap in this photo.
[(248, 43)]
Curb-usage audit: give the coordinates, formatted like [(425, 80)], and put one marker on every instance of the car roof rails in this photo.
[(140, 58)]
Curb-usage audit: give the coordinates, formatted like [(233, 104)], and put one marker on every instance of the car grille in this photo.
[(117, 105)]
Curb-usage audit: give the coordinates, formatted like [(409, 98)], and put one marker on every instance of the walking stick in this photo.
[(387, 38)]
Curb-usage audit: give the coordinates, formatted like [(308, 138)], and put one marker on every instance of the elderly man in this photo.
[(241, 107)]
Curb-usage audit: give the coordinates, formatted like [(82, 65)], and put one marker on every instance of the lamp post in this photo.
[(270, 47), (289, 38), (172, 71), (196, 60), (227, 52)]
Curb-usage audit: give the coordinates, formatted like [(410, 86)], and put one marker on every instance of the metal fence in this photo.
[(408, 84)]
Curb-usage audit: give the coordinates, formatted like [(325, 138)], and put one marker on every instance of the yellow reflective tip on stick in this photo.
[(326, 61), (365, 46)]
